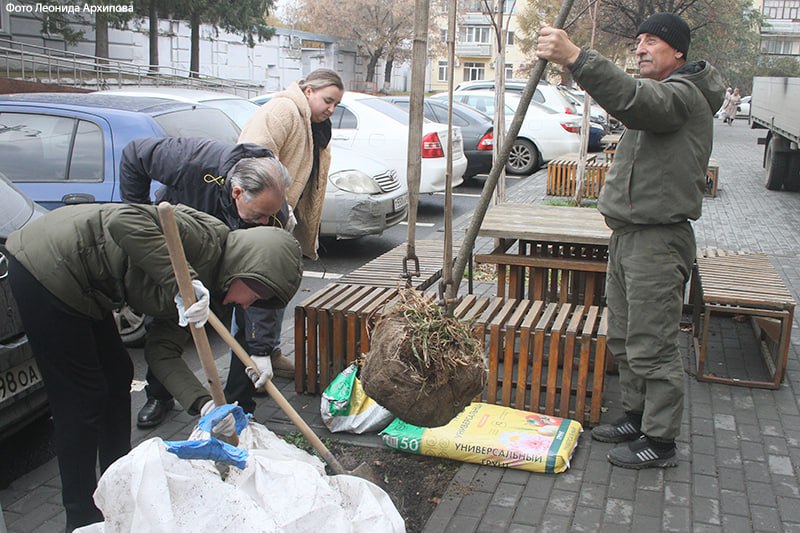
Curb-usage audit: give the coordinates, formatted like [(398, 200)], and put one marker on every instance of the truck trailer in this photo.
[(775, 106)]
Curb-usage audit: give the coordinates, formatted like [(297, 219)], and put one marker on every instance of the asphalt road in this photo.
[(34, 446)]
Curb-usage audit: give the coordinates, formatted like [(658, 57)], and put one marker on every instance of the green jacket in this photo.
[(659, 168), (96, 257)]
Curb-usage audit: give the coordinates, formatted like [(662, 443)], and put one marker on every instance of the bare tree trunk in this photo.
[(153, 37), (101, 37), (373, 62), (194, 61), (387, 75)]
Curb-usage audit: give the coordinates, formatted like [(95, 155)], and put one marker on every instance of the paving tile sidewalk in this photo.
[(739, 448)]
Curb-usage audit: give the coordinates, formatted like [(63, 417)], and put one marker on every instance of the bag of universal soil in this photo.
[(346, 407), (493, 435), (423, 366)]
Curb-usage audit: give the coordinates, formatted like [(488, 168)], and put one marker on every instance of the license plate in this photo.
[(18, 379), (400, 202)]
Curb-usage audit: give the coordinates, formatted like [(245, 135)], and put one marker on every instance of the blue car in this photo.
[(65, 148)]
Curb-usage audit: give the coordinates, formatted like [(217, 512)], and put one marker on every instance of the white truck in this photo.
[(775, 106)]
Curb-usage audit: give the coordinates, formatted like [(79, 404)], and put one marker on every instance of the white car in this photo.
[(377, 127), (544, 134), (744, 107), (237, 108), (372, 124), (546, 94), (363, 195)]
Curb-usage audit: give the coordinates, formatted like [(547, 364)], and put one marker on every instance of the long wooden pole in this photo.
[(491, 182), (178, 258), (415, 120)]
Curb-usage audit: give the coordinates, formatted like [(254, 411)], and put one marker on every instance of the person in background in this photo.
[(114, 254), (732, 106), (240, 184), (721, 112), (295, 124), (653, 189)]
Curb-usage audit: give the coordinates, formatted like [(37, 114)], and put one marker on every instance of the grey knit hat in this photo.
[(670, 28)]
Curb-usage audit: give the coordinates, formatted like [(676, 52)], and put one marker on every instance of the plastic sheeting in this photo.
[(282, 488)]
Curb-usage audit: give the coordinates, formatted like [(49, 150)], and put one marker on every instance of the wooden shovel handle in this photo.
[(178, 258), (276, 395)]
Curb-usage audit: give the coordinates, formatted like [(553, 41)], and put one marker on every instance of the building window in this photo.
[(476, 34), (782, 9), (777, 47), (510, 38), (509, 71), (473, 6), (443, 35), (474, 71), (443, 75)]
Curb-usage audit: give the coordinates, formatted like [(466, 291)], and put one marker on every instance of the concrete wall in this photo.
[(274, 64)]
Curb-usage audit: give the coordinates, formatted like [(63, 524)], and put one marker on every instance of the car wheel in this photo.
[(130, 325), (523, 158)]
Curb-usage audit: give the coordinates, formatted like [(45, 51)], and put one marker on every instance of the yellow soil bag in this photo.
[(493, 435)]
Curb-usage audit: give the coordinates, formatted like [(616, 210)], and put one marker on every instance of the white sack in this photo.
[(282, 488)]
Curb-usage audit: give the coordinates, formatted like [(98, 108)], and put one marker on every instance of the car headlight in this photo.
[(354, 181)]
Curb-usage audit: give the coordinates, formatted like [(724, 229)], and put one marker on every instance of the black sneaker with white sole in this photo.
[(644, 453), (625, 429)]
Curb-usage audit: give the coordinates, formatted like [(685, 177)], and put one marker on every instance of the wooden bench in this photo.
[(550, 272), (544, 358), (744, 285), (386, 270), (562, 172), (330, 327), (541, 357), (712, 178)]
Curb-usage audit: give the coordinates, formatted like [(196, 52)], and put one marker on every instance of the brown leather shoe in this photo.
[(282, 366)]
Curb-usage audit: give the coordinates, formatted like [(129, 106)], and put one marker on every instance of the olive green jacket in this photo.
[(659, 168), (95, 258)]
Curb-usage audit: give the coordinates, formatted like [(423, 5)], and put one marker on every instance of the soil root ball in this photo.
[(423, 366)]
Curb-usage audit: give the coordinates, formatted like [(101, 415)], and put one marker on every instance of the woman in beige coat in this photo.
[(296, 126)]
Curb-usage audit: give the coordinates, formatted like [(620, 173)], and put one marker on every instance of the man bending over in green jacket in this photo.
[(72, 267)]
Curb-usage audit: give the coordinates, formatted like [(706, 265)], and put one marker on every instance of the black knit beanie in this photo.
[(670, 28)]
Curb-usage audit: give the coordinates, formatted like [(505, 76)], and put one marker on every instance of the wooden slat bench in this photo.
[(330, 327), (561, 174), (544, 358), (712, 178), (744, 285), (551, 272), (541, 357), (386, 270)]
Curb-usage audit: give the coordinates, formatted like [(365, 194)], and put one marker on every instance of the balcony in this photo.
[(473, 50)]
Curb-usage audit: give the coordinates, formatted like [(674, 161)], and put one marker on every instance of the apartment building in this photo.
[(780, 36), (476, 46)]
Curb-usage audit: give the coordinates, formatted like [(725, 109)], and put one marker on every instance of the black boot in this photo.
[(154, 412)]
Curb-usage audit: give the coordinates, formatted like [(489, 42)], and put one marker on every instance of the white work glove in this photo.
[(197, 313), (291, 220), (226, 426), (264, 364)]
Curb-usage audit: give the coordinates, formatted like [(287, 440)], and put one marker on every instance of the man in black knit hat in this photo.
[(652, 190)]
